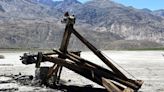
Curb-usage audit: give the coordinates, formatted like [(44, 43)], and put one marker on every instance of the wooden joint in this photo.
[(39, 59)]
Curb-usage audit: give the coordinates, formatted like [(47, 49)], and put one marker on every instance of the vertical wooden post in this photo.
[(66, 38), (39, 59), (64, 45), (38, 71)]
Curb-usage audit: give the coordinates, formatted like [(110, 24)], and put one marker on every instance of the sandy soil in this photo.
[(144, 65)]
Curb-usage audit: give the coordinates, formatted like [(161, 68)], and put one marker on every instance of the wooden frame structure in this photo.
[(113, 80)]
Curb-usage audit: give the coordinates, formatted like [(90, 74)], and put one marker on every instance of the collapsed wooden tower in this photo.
[(113, 80)]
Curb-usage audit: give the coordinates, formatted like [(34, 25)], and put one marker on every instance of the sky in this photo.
[(83, 1), (150, 4), (140, 4)]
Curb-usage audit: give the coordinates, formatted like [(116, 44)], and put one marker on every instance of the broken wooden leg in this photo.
[(110, 86)]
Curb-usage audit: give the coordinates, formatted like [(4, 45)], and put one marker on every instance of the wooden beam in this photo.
[(136, 82), (39, 59), (128, 90), (99, 54), (110, 86), (89, 70), (91, 66), (80, 70), (73, 66), (52, 70), (88, 62), (66, 38), (64, 46)]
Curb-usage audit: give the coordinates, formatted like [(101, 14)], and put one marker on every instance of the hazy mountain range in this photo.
[(106, 24)]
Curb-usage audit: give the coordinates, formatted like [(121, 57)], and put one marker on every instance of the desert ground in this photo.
[(143, 65)]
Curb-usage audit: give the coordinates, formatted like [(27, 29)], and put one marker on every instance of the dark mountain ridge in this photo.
[(36, 24)]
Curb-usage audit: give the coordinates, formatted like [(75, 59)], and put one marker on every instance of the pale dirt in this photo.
[(144, 65)]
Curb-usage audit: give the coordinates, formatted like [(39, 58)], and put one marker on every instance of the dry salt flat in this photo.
[(143, 65)]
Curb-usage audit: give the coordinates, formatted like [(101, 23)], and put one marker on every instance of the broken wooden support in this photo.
[(113, 80), (99, 54), (107, 73), (52, 70), (66, 38), (77, 53), (128, 90), (136, 82), (89, 70), (28, 58), (64, 46), (39, 59), (110, 86)]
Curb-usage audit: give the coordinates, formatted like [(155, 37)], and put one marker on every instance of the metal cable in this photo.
[(118, 65)]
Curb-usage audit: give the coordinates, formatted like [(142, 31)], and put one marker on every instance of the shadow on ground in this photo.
[(73, 88)]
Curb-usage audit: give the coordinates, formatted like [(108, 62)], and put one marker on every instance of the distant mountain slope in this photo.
[(27, 23), (127, 22), (159, 12), (26, 9), (130, 23), (36, 24)]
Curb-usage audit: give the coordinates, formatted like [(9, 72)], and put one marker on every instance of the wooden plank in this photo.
[(91, 69), (52, 70), (128, 90), (74, 67), (88, 62), (106, 73), (59, 73), (110, 86), (87, 73), (88, 65), (99, 54)]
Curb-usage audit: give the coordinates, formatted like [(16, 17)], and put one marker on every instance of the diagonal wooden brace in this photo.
[(110, 86)]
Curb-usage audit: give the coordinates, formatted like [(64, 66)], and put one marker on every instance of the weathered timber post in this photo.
[(39, 59), (40, 72), (70, 21)]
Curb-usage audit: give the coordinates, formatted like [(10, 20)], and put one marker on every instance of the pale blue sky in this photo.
[(78, 0), (150, 4)]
